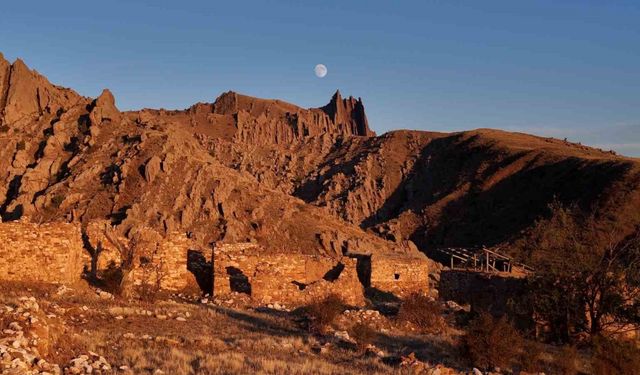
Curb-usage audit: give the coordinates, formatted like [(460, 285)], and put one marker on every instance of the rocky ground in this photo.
[(81, 330)]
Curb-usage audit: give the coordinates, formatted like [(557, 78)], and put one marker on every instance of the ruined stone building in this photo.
[(297, 279), (64, 253)]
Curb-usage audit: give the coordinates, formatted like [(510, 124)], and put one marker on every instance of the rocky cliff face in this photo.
[(77, 159), (306, 180)]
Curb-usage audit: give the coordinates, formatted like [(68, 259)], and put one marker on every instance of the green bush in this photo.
[(57, 200)]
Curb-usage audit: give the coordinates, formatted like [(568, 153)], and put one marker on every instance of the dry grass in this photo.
[(531, 356), (219, 340), (364, 335), (567, 360), (613, 357), (213, 340)]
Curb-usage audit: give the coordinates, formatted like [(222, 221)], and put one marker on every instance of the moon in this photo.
[(320, 70)]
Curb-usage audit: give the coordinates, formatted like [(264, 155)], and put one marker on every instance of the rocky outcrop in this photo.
[(5, 76), (262, 121), (348, 114), (104, 109), (25, 95)]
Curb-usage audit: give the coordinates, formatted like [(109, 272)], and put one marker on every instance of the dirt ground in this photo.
[(179, 334)]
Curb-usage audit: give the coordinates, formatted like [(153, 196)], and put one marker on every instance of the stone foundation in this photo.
[(50, 253)]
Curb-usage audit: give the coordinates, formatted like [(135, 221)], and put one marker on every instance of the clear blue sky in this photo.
[(559, 68)]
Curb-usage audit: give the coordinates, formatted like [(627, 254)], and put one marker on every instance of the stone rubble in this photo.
[(91, 363), (20, 342), (24, 342)]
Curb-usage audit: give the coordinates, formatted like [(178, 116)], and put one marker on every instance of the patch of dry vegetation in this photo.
[(421, 313), (364, 335), (323, 313), (492, 342), (567, 360), (613, 357)]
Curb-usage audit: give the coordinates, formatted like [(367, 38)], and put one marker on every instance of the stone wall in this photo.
[(291, 279), (489, 292), (60, 252), (167, 265), (49, 253), (157, 259), (400, 274)]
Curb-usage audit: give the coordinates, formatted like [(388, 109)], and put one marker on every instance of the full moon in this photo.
[(320, 70)]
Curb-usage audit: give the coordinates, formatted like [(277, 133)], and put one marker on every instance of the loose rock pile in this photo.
[(370, 317), (23, 339), (88, 364)]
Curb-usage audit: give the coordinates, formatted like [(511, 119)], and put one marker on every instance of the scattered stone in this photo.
[(63, 289)]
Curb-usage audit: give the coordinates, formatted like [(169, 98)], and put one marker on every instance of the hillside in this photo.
[(303, 180)]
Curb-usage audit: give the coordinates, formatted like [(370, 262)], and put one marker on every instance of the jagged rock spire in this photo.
[(349, 113)]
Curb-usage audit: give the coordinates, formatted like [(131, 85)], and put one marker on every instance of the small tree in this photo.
[(492, 342), (140, 252), (585, 281), (127, 252)]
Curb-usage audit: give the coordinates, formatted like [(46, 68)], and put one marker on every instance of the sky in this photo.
[(548, 67)]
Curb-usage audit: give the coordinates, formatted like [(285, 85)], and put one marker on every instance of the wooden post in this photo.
[(487, 254)]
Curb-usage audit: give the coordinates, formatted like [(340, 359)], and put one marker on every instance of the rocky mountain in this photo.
[(306, 180)]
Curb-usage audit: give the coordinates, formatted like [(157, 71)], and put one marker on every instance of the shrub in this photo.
[(152, 275), (363, 334), (57, 200), (21, 146), (612, 357), (567, 360), (4, 128), (421, 312), (323, 313), (492, 342), (111, 279), (530, 357)]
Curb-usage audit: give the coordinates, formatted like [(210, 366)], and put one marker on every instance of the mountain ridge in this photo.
[(315, 180)]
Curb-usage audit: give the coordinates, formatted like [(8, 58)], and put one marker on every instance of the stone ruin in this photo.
[(49, 253), (297, 279), (292, 279), (64, 253)]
